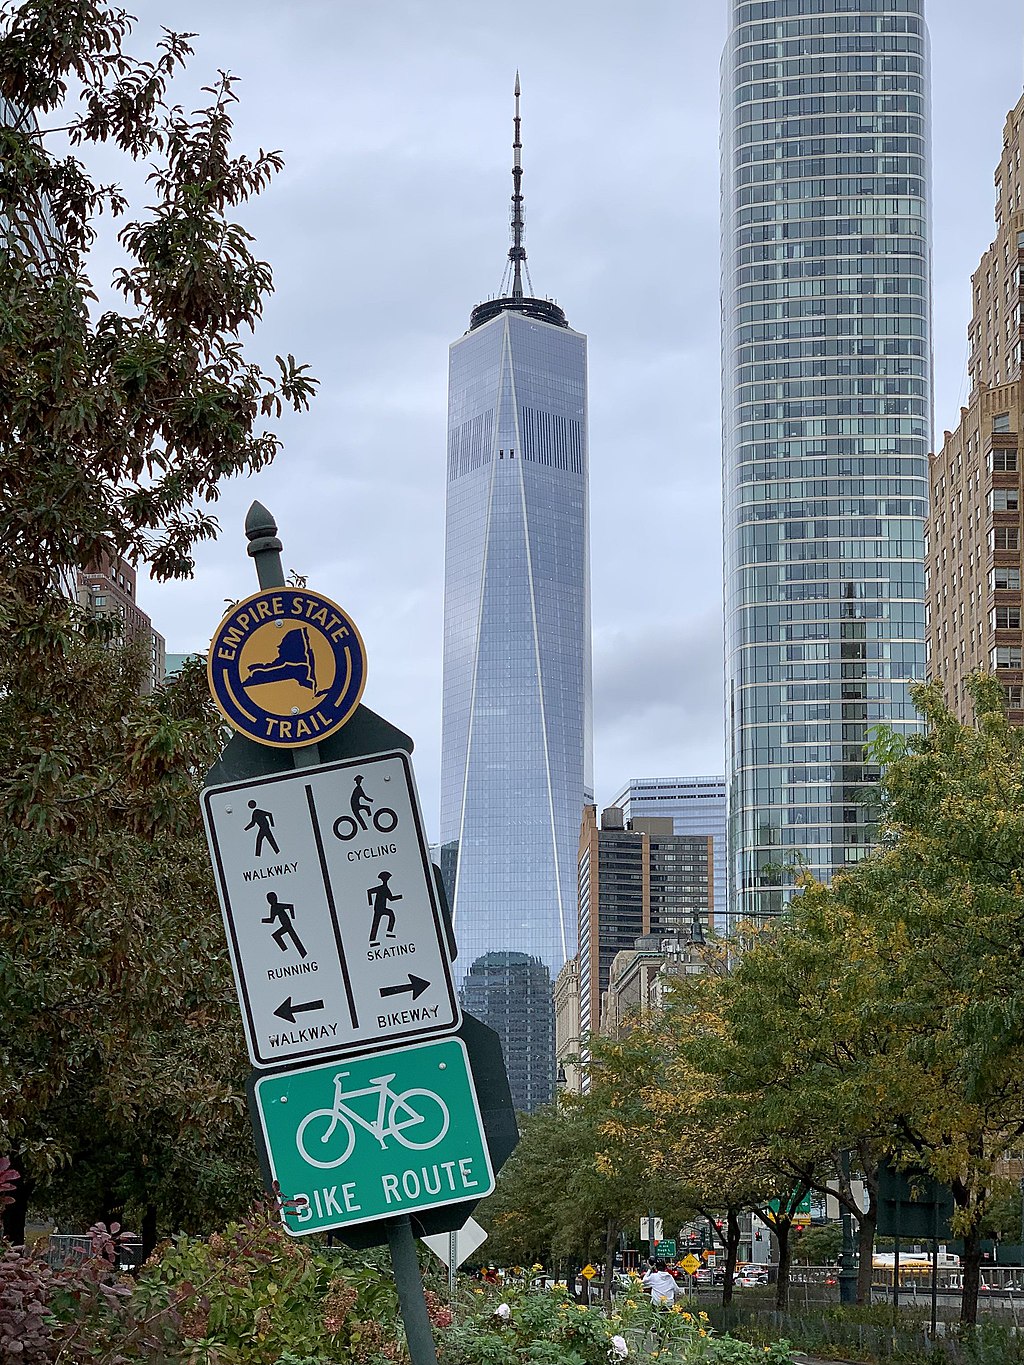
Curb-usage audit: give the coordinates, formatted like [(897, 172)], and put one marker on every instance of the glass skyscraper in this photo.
[(826, 419), (516, 725)]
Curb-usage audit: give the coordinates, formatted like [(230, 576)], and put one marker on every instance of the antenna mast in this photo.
[(517, 252)]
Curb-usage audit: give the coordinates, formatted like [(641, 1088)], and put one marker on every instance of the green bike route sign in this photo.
[(364, 1138)]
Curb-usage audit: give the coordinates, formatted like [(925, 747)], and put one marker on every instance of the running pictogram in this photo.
[(283, 915)]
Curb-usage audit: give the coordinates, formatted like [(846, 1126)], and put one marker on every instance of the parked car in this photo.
[(747, 1278)]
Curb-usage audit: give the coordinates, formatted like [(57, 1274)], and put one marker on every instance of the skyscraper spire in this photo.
[(514, 297), (517, 252)]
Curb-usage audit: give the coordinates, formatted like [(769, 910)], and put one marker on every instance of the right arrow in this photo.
[(416, 986)]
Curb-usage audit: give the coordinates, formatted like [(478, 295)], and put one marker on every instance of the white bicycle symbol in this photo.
[(396, 1113)]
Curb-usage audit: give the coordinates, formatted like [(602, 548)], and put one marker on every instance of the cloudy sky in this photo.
[(390, 221)]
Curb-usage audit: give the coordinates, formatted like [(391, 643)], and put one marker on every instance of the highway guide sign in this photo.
[(352, 1141), (286, 667), (331, 910)]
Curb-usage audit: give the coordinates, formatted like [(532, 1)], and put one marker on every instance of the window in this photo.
[(1006, 538), (1014, 696), (1003, 461), (1004, 500), (1006, 656), (1001, 421), (99, 600), (1006, 618), (1006, 578)]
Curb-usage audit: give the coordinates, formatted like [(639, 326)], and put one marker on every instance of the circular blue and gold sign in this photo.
[(287, 667)]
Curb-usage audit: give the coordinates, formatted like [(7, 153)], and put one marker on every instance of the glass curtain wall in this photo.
[(826, 420), (516, 735)]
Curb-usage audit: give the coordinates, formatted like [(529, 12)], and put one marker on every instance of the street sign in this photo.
[(470, 1236), (350, 1141), (690, 1263), (331, 909), (588, 1272), (286, 667), (666, 1248)]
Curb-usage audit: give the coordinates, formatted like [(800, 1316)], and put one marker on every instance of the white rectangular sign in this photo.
[(331, 911)]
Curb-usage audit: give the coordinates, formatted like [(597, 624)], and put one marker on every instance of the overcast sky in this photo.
[(390, 221)]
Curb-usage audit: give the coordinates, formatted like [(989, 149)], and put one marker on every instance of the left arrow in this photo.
[(288, 1011)]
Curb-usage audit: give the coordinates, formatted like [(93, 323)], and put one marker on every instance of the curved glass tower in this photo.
[(826, 419), (516, 730)]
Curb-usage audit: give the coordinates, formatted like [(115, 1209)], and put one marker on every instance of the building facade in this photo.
[(516, 723), (108, 588), (639, 976), (826, 420), (975, 554), (695, 805), (567, 1026), (634, 880), (511, 992)]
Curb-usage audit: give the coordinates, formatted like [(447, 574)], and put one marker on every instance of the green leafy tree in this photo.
[(123, 405), (116, 426), (121, 1062)]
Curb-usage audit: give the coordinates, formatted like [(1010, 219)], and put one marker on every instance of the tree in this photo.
[(120, 1063), (899, 985), (576, 1181), (121, 1066), (670, 1119), (116, 426), (943, 900)]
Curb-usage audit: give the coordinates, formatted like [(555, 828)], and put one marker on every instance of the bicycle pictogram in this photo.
[(346, 827), (397, 1113)]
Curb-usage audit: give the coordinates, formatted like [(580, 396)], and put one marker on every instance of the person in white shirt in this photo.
[(661, 1284)]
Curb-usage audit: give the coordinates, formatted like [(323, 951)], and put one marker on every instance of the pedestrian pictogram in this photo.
[(375, 1137), (337, 940), (263, 823), (282, 915), (286, 667)]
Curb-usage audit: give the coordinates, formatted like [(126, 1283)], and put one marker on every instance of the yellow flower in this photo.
[(702, 1332)]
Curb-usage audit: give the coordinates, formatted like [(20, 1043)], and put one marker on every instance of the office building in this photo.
[(635, 879), (511, 992), (974, 549), (516, 724), (695, 805), (826, 420)]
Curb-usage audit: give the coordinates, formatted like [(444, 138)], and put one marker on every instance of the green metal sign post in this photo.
[(382, 1136), (374, 1144)]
